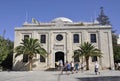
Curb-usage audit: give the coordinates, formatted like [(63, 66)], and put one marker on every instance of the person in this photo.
[(76, 67), (66, 68), (82, 67), (57, 65), (118, 66), (96, 68), (60, 64), (72, 67)]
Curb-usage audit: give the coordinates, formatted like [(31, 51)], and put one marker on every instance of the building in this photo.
[(60, 37)]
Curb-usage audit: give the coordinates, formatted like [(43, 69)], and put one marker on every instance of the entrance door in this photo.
[(59, 56)]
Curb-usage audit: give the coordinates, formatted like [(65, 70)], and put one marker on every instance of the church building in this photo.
[(60, 37)]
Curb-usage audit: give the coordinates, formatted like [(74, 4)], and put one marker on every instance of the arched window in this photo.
[(94, 59), (26, 36), (25, 56), (42, 59), (93, 38), (76, 59), (43, 39), (76, 38)]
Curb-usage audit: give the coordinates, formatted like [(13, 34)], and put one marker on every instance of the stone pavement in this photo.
[(106, 75)]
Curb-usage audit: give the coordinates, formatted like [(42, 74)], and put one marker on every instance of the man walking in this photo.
[(96, 68)]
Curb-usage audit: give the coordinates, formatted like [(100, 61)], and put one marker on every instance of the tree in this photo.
[(102, 18), (87, 50), (3, 47), (30, 47), (6, 49), (7, 62), (116, 47), (6, 52)]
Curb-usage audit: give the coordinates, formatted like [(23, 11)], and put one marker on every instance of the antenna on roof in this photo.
[(95, 15), (26, 16), (95, 20)]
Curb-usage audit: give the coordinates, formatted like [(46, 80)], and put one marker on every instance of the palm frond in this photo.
[(31, 47), (87, 49)]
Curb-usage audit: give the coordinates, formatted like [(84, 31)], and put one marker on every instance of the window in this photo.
[(26, 36), (76, 38), (25, 57), (59, 37), (93, 38), (76, 59), (42, 59), (94, 59), (43, 39)]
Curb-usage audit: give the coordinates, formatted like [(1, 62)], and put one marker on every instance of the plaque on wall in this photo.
[(58, 47)]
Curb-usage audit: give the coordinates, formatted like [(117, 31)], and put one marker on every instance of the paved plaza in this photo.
[(105, 75)]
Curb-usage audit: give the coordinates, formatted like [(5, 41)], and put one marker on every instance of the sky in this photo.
[(13, 13)]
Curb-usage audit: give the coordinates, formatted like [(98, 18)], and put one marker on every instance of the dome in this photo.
[(62, 19)]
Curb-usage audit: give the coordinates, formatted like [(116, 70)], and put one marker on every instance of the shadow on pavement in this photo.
[(104, 78)]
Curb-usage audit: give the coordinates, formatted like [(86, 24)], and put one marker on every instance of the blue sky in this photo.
[(13, 12)]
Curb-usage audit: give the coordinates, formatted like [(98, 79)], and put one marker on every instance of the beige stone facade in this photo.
[(60, 38)]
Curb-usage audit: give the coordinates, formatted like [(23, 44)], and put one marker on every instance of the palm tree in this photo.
[(87, 50), (30, 47)]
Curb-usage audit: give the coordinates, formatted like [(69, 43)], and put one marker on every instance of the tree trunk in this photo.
[(30, 64), (87, 63)]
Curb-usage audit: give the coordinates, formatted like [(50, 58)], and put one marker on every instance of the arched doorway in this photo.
[(59, 56)]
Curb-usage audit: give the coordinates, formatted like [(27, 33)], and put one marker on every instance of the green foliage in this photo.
[(102, 18), (31, 47), (116, 48), (117, 54), (6, 49), (87, 50)]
